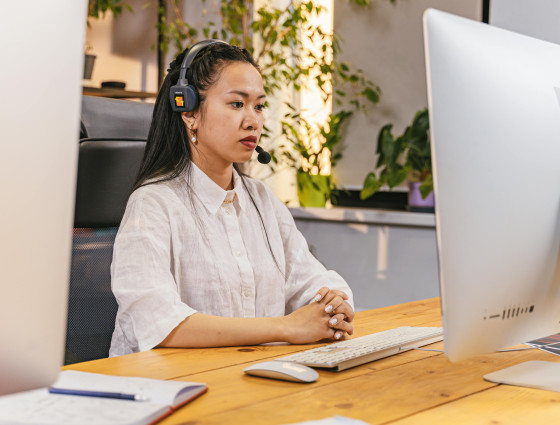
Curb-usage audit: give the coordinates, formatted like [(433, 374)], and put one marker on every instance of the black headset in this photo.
[(183, 97)]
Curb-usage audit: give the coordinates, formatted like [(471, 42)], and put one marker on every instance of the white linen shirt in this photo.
[(184, 247)]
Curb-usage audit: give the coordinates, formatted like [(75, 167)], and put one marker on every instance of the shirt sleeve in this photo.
[(150, 306), (305, 274)]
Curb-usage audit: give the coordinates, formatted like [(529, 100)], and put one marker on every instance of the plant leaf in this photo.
[(371, 95), (371, 185), (427, 186)]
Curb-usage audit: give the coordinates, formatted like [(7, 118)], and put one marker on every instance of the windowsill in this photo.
[(365, 216)]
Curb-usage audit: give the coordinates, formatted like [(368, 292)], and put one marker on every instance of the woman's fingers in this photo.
[(332, 295), (326, 295), (333, 304), (340, 294), (334, 321), (320, 295), (338, 305), (338, 323), (346, 309)]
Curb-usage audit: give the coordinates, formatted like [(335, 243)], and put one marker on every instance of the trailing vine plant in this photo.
[(277, 38)]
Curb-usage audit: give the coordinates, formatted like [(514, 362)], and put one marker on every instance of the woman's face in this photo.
[(230, 125)]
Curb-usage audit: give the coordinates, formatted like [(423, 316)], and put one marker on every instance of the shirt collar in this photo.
[(211, 195)]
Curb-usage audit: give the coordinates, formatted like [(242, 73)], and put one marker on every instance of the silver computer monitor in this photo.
[(494, 100), (41, 51)]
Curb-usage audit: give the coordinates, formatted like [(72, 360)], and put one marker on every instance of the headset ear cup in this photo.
[(183, 97), (191, 98), (178, 96)]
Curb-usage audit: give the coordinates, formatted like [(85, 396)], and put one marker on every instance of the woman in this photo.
[(206, 256)]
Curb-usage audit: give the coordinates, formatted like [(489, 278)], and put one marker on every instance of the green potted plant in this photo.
[(309, 150), (406, 157)]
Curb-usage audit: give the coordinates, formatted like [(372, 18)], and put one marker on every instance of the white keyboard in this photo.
[(354, 352)]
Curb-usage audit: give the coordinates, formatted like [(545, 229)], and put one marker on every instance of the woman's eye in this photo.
[(260, 107), (237, 105)]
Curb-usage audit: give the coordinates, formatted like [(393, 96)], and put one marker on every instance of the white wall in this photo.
[(386, 42)]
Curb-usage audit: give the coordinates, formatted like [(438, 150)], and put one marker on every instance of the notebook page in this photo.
[(38, 407)]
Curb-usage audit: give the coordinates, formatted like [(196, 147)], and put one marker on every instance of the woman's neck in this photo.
[(222, 176)]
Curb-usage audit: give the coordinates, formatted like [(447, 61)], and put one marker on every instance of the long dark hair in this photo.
[(168, 152)]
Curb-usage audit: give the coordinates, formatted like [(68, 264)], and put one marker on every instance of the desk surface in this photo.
[(415, 387)]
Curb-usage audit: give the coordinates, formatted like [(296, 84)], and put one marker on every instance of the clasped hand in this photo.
[(328, 316)]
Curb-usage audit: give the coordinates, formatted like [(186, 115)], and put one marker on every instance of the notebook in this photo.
[(41, 407)]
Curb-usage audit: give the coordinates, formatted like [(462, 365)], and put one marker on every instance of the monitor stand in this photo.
[(533, 374)]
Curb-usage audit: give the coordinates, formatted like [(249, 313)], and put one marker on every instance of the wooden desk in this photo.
[(415, 387)]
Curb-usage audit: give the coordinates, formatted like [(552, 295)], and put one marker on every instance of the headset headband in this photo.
[(184, 98), (191, 56)]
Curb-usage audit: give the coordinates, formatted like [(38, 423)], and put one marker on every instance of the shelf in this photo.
[(117, 93)]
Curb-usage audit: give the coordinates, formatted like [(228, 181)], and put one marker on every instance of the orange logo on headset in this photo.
[(179, 101)]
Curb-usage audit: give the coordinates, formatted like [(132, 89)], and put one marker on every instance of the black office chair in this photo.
[(107, 168)]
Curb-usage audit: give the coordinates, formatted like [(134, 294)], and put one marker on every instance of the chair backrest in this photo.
[(107, 170), (107, 167), (115, 118)]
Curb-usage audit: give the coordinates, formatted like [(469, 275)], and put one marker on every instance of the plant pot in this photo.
[(415, 200), (387, 200), (313, 190), (89, 61)]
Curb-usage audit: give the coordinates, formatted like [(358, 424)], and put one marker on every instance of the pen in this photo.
[(103, 394)]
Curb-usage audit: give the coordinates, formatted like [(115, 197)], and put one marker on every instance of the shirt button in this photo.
[(246, 293), (238, 253)]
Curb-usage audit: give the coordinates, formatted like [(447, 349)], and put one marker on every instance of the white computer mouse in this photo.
[(286, 371)]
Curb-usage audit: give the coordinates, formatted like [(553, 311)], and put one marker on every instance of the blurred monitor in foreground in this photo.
[(40, 86), (494, 99)]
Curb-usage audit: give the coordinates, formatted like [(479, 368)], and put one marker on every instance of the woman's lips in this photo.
[(250, 142)]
